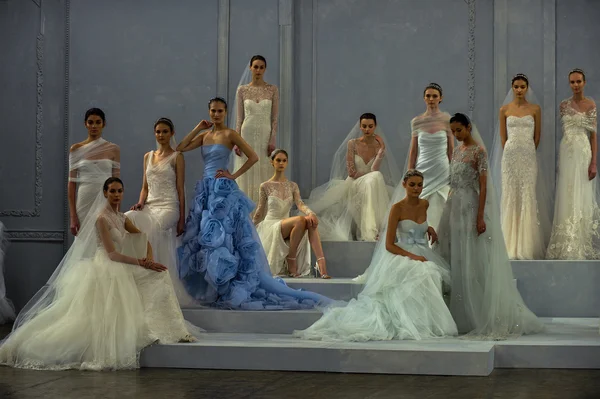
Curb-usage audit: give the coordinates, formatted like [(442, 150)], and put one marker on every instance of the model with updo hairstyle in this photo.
[(287, 240), (90, 163), (351, 206), (107, 300), (520, 122), (160, 210), (484, 300), (257, 116), (576, 226), (402, 297), (431, 147), (221, 260)]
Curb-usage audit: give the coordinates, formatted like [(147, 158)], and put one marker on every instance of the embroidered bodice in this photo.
[(115, 222), (361, 158), (520, 129), (575, 122), (258, 103), (276, 200), (468, 163), (162, 181)]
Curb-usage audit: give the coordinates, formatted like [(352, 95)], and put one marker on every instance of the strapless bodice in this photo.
[(410, 232), (520, 129), (216, 156), (433, 145)]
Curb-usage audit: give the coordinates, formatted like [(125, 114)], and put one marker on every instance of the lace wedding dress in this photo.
[(575, 233), (402, 298), (275, 201), (257, 117), (354, 206), (101, 314), (520, 224), (484, 300), (159, 217)]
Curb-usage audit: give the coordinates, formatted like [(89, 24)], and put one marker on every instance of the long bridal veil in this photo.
[(331, 201)]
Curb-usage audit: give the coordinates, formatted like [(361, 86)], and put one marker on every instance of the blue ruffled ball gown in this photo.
[(221, 260)]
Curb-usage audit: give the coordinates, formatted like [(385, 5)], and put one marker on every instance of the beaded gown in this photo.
[(576, 229), (484, 300), (520, 223), (274, 205)]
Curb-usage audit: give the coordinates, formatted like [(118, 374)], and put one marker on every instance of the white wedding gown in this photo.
[(7, 310), (402, 298), (103, 313), (275, 201), (576, 229), (257, 117), (484, 300), (433, 162), (520, 223), (159, 217), (353, 207)]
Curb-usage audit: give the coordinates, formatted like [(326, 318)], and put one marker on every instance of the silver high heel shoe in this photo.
[(318, 270)]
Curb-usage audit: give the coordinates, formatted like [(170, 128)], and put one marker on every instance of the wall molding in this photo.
[(39, 119), (313, 103), (66, 126), (549, 74), (500, 51), (471, 54), (223, 49), (286, 77), (36, 235)]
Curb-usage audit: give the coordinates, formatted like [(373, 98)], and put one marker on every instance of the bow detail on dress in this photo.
[(411, 238)]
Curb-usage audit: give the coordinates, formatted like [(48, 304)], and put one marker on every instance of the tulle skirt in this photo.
[(401, 300), (351, 208), (103, 314)]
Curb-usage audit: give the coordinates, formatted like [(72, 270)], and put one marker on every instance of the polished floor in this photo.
[(188, 384), (192, 384)]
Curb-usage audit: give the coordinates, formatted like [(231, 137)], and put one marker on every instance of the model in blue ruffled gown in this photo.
[(221, 260)]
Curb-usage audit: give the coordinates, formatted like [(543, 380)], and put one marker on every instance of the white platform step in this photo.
[(567, 343)]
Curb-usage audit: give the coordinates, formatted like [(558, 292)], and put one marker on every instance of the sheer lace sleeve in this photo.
[(274, 111), (482, 162), (298, 200), (240, 109), (261, 208), (592, 115), (563, 107), (378, 159), (350, 159), (102, 226)]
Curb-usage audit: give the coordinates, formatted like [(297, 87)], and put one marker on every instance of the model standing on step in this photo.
[(287, 240), (257, 116), (221, 259), (576, 230), (484, 300)]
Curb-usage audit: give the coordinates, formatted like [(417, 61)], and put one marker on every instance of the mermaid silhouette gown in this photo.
[(221, 260)]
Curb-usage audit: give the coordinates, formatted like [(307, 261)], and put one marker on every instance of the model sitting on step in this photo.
[(105, 302), (402, 297), (287, 240), (352, 204)]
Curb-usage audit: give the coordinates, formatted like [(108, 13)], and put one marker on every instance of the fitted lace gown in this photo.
[(519, 208), (575, 233), (257, 116), (103, 312), (402, 298), (275, 201), (484, 299), (159, 217), (433, 162)]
